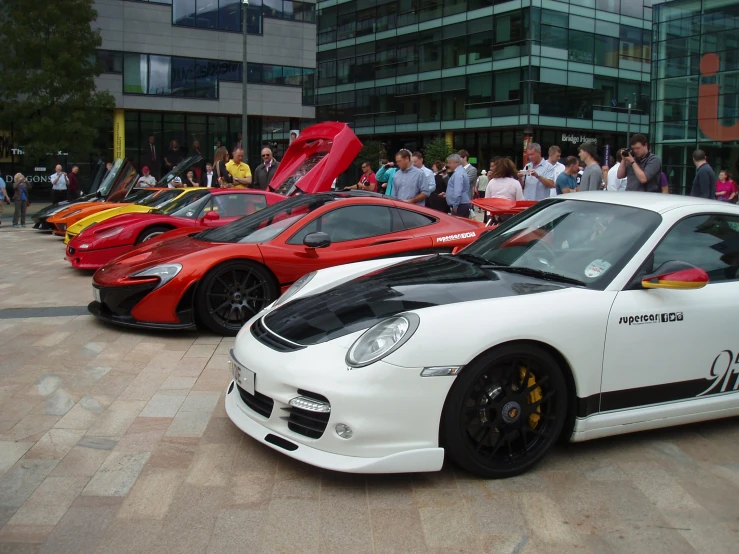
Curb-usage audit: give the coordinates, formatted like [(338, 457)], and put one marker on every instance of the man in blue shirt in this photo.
[(418, 162), (458, 187), (409, 183), (567, 180)]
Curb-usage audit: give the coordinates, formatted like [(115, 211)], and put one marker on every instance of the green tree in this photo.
[(437, 149), (48, 62), (372, 151)]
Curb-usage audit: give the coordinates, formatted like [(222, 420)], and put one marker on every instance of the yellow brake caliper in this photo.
[(534, 396)]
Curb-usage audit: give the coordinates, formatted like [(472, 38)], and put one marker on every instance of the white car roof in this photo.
[(653, 201)]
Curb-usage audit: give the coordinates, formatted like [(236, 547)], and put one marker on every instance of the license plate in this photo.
[(244, 377), (96, 294)]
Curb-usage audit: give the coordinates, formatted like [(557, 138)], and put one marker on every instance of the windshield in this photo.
[(110, 177), (136, 196), (178, 170), (99, 174), (182, 207), (266, 224), (155, 200), (589, 242)]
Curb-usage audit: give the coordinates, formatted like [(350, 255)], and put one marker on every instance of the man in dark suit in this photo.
[(265, 171), (150, 157)]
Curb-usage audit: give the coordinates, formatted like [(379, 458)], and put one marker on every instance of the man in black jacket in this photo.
[(265, 171), (704, 184)]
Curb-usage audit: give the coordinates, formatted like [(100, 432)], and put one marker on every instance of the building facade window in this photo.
[(196, 78), (227, 15)]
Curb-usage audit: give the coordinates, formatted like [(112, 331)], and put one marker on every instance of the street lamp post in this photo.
[(244, 112)]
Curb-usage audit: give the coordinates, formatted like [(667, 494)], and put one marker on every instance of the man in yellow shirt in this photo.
[(239, 170)]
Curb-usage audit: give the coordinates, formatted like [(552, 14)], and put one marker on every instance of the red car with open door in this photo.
[(221, 277), (208, 207)]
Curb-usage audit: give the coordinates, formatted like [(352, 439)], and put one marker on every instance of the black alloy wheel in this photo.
[(232, 293), (152, 232), (504, 411)]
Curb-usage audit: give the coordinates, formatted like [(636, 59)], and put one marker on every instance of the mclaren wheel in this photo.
[(151, 232), (232, 293), (504, 412)]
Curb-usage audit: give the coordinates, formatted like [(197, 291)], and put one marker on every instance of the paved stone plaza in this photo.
[(114, 440)]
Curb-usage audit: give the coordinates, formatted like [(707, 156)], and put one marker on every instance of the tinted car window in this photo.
[(710, 242), (413, 220), (267, 223), (349, 223)]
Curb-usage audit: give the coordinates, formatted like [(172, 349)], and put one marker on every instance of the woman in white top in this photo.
[(502, 181)]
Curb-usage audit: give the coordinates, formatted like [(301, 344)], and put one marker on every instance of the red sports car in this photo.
[(222, 277), (99, 244)]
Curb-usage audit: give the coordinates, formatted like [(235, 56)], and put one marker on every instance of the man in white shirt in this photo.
[(537, 176), (147, 180), (614, 183), (208, 175), (554, 155), (59, 183)]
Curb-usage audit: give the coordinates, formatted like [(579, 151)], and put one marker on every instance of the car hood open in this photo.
[(412, 285), (315, 159)]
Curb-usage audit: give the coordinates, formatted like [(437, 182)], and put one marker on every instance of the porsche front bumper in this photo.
[(393, 412)]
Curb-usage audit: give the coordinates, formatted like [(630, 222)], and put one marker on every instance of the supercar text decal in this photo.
[(456, 237), (646, 319)]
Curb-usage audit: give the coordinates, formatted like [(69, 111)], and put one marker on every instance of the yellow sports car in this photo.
[(169, 199)]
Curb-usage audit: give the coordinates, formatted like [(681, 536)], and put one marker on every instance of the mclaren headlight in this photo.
[(165, 272), (382, 339), (294, 289)]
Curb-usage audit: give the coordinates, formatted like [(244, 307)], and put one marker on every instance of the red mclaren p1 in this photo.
[(101, 243), (221, 277)]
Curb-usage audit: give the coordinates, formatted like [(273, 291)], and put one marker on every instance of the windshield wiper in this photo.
[(549, 276), (477, 260)]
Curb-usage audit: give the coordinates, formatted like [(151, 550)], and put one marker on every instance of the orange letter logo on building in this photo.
[(708, 119)]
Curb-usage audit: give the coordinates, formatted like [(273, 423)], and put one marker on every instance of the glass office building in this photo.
[(695, 102), (485, 73), (174, 68)]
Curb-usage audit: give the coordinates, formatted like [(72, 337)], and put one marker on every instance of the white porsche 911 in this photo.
[(587, 315)]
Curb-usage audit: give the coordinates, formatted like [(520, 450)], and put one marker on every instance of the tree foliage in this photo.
[(48, 62), (372, 151), (437, 149)]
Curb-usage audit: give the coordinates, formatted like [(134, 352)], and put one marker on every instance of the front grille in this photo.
[(268, 338), (62, 226), (258, 402), (305, 422)]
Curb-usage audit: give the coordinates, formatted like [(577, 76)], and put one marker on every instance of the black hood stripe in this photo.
[(412, 285)]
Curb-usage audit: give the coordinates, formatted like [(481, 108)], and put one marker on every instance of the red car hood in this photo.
[(315, 159), (179, 249)]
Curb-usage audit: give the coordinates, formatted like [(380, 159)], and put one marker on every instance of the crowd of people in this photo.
[(450, 186)]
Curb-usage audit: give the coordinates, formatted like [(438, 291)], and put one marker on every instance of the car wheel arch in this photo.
[(148, 228), (196, 284), (564, 366)]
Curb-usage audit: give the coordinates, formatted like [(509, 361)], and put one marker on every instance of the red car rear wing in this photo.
[(499, 206), (315, 159)]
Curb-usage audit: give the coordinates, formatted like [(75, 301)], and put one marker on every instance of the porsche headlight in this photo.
[(294, 289), (165, 272), (382, 339)]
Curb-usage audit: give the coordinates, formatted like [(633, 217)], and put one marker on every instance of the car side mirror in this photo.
[(211, 216), (317, 240), (676, 275)]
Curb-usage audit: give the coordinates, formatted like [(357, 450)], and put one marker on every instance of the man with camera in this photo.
[(640, 167)]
